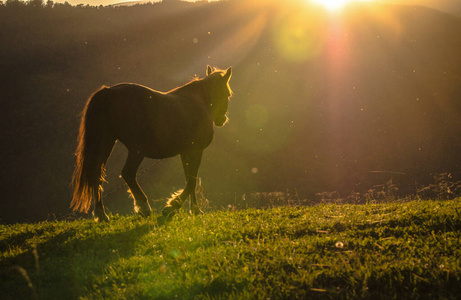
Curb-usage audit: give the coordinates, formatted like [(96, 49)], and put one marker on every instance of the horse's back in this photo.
[(155, 123), (133, 103), (134, 93)]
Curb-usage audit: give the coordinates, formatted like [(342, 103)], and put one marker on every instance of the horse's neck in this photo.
[(195, 90)]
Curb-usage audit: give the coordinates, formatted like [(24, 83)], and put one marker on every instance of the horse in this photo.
[(150, 124)]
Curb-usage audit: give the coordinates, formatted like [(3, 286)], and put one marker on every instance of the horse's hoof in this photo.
[(162, 220), (143, 210), (144, 214), (195, 210), (169, 211), (101, 218), (167, 215)]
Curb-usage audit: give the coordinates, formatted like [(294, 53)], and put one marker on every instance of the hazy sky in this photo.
[(450, 6)]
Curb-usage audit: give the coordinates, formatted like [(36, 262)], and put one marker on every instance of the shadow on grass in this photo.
[(62, 266)]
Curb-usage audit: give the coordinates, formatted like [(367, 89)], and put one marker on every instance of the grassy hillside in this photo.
[(404, 250)]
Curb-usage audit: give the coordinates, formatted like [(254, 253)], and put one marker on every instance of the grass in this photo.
[(392, 250)]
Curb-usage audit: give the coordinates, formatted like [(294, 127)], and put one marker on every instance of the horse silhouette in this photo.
[(150, 124)]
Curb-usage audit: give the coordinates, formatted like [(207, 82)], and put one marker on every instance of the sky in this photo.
[(449, 6)]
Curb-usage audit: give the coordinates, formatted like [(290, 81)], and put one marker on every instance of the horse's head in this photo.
[(219, 92)]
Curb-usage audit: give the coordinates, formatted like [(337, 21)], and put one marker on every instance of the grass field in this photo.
[(393, 250)]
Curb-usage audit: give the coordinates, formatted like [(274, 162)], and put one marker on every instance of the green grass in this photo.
[(393, 250)]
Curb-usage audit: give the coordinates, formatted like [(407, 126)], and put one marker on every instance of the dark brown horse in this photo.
[(150, 124)]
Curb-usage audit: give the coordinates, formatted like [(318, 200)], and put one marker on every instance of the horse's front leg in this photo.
[(191, 163), (191, 186)]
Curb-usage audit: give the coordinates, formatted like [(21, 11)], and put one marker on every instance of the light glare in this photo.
[(335, 4)]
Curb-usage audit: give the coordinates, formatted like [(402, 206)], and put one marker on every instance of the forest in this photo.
[(365, 100)]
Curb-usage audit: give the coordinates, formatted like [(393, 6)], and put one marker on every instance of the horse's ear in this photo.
[(209, 70), (228, 74)]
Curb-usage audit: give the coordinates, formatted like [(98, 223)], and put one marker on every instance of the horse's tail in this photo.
[(95, 143)]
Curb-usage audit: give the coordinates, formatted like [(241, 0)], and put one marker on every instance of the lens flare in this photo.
[(299, 35)]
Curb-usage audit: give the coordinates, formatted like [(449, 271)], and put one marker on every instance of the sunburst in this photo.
[(335, 4)]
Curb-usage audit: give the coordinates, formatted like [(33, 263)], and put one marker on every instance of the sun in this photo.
[(335, 4)]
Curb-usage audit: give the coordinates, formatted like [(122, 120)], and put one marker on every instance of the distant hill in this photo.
[(320, 104), (449, 6), (130, 3), (452, 7)]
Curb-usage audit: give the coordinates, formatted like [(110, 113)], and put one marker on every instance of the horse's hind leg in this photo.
[(99, 213), (141, 205)]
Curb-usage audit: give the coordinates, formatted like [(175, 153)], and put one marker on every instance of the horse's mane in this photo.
[(197, 79), (190, 84)]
